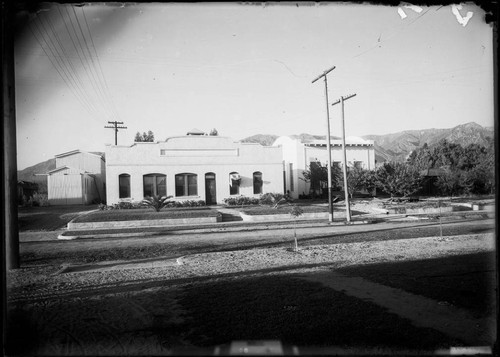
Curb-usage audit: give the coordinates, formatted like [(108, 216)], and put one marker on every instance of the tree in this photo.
[(358, 178), (421, 158), (398, 179), (214, 132), (452, 182), (145, 137), (317, 176), (295, 212)]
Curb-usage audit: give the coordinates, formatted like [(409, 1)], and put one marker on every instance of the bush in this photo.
[(156, 202), (39, 200), (186, 203), (241, 201), (273, 199)]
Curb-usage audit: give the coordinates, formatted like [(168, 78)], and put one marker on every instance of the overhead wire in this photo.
[(93, 66), (79, 50), (100, 67), (72, 70), (55, 61)]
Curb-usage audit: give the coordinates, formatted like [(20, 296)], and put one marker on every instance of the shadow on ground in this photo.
[(156, 316)]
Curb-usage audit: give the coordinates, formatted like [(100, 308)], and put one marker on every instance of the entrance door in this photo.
[(210, 194)]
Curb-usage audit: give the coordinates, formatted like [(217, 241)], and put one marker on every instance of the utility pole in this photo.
[(116, 127), (328, 146), (344, 158), (10, 232)]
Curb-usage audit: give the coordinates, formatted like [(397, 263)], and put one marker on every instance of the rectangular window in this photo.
[(161, 185), (234, 183), (192, 182), (149, 190), (124, 186), (186, 185), (154, 185), (291, 178), (257, 183)]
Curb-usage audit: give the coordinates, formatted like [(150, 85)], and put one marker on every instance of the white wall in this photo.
[(81, 160), (300, 155), (198, 155), (65, 189)]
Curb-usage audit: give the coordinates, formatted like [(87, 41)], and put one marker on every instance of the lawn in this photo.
[(48, 218), (146, 214)]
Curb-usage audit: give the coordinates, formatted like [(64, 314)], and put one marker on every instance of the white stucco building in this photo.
[(192, 167), (297, 156)]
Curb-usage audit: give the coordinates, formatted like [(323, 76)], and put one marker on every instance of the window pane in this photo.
[(161, 186), (192, 185), (179, 185), (124, 186), (257, 183), (148, 186)]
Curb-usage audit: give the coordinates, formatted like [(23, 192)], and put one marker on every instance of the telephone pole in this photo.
[(116, 127), (328, 146), (344, 158)]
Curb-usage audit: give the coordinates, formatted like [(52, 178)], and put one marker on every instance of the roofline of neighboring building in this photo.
[(68, 153), (322, 143), (64, 168), (338, 144)]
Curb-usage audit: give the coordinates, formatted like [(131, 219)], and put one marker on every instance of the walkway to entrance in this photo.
[(422, 311)]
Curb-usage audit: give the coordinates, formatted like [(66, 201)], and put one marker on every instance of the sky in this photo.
[(245, 70)]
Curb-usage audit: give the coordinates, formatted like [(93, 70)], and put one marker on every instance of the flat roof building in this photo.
[(192, 167)]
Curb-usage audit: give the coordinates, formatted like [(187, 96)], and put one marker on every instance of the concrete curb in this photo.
[(256, 226)]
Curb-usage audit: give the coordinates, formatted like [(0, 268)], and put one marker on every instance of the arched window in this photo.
[(124, 186), (234, 183), (186, 184), (155, 185), (257, 182)]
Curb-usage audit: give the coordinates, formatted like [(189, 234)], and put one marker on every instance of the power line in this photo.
[(100, 67), (58, 67), (72, 71), (94, 72)]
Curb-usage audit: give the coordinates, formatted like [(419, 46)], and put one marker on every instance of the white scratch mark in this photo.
[(415, 8), (455, 9), (401, 13)]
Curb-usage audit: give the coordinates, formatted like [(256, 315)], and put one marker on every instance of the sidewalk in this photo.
[(240, 226)]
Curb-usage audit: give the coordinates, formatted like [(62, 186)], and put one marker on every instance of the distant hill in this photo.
[(397, 146), (263, 139), (28, 174)]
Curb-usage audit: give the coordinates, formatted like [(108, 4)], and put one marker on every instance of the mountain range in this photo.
[(397, 146), (388, 147)]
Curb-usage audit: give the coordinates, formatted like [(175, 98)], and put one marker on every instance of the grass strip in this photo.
[(145, 214)]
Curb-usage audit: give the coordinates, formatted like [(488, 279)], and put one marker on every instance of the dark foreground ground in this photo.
[(184, 315)]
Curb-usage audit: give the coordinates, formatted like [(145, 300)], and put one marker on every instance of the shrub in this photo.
[(156, 202), (273, 199), (186, 203), (241, 201), (39, 199)]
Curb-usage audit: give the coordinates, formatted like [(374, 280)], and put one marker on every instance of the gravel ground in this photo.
[(47, 282)]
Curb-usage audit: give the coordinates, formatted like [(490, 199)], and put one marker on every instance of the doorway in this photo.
[(210, 191)]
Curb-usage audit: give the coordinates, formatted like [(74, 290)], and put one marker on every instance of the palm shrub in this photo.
[(156, 202)]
